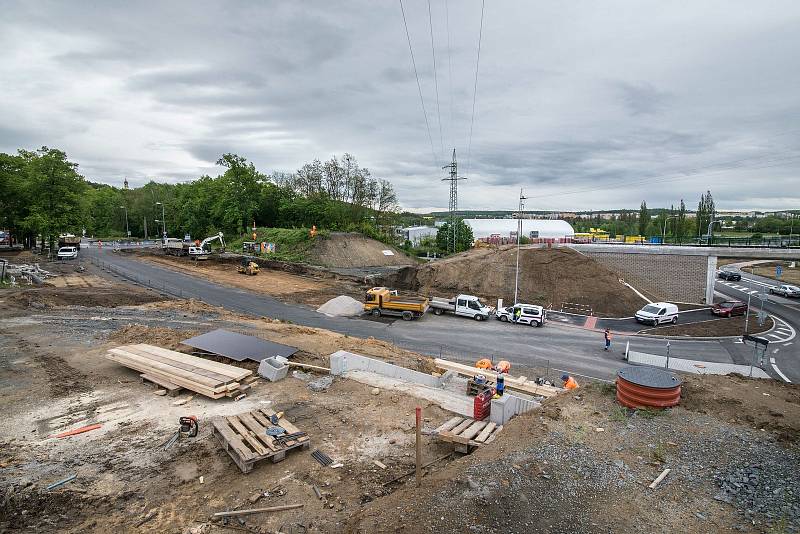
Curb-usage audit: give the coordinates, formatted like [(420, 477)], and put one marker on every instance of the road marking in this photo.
[(782, 326), (775, 367)]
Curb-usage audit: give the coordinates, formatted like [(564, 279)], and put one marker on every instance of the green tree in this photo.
[(680, 221), (239, 192), (464, 238), (644, 218), (57, 196)]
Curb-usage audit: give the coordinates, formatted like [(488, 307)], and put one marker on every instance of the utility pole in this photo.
[(519, 235), (664, 231), (144, 219), (163, 220), (127, 230), (453, 207)]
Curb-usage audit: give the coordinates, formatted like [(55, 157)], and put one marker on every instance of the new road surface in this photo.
[(783, 349), (555, 347)]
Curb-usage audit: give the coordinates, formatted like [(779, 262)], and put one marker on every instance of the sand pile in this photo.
[(350, 250), (341, 306), (548, 277)]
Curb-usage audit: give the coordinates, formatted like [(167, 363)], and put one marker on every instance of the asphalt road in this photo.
[(784, 348), (557, 347)]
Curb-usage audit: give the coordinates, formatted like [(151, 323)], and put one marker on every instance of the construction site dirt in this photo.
[(581, 458)]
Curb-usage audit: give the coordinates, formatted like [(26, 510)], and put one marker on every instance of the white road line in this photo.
[(776, 336), (785, 326), (775, 367)]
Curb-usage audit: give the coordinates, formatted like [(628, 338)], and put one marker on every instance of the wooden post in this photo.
[(419, 445)]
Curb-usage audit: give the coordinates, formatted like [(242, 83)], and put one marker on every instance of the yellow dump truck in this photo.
[(384, 301)]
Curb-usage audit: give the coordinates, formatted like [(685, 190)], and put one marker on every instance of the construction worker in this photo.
[(569, 382), (517, 314), (607, 337)]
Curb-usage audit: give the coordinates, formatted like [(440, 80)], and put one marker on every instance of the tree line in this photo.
[(43, 194)]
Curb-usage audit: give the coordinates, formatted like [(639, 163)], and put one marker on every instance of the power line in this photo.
[(767, 161), (419, 87), (449, 69), (435, 80), (475, 88)]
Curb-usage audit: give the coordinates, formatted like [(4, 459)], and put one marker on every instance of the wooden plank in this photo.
[(282, 422), (473, 430), (248, 436), (237, 373), (186, 366), (494, 434), (260, 431), (172, 389), (167, 369), (487, 430), (258, 416), (449, 425), (188, 384), (511, 382), (231, 438), (461, 427)]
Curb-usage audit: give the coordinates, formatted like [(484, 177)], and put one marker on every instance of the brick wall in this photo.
[(668, 277)]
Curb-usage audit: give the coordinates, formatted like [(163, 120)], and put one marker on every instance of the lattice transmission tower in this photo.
[(452, 236)]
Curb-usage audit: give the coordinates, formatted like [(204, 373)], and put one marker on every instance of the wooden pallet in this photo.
[(209, 378), (244, 437), (468, 434)]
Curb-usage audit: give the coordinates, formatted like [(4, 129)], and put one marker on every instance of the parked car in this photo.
[(730, 276), (529, 314), (729, 308), (658, 313), (464, 305), (67, 253), (785, 290)]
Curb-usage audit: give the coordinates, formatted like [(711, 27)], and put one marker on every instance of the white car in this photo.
[(528, 314), (785, 290), (67, 253), (658, 313)]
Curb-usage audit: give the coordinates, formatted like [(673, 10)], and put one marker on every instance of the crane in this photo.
[(202, 251)]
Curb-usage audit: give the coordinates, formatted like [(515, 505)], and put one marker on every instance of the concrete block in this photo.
[(272, 369), (507, 406), (343, 361)]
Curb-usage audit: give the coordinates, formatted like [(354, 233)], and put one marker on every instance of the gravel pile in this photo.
[(341, 306)]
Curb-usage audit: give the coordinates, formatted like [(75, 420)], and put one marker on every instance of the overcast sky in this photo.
[(574, 98)]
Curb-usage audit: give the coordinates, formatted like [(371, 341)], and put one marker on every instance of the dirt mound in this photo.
[(549, 277), (349, 250), (162, 337), (341, 306), (51, 297)]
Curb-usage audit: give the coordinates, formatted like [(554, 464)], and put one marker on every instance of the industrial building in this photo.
[(531, 228), (415, 234)]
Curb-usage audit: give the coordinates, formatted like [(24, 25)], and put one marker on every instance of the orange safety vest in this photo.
[(570, 383)]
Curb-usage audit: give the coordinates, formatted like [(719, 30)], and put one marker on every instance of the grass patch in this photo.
[(618, 414), (650, 413), (659, 453), (608, 388), (291, 244)]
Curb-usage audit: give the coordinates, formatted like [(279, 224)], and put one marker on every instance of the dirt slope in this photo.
[(547, 277), (350, 250)]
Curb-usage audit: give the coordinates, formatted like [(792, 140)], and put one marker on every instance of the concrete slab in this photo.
[(694, 366)]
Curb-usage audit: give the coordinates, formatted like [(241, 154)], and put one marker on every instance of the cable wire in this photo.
[(475, 89), (449, 70), (435, 80), (419, 87)]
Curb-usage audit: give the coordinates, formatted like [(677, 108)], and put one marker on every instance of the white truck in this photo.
[(464, 305)]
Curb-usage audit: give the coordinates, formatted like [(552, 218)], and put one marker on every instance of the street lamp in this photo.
[(127, 230), (711, 228), (664, 231), (163, 219), (519, 235)]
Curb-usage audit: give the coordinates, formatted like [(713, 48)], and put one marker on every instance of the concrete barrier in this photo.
[(343, 361), (507, 406), (272, 369)]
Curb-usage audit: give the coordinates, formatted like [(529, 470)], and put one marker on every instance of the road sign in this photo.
[(778, 271)]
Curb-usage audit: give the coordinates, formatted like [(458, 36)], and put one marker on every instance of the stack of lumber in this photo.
[(175, 369), (520, 383), (468, 433), (244, 437)]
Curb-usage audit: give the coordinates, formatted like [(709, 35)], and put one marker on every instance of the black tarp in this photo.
[(238, 347)]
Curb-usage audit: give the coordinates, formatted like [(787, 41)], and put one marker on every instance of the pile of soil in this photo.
[(351, 250), (167, 338), (548, 277)]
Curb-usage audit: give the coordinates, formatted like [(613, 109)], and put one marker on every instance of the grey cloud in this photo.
[(642, 98)]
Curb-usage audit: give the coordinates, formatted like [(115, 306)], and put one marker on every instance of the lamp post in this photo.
[(711, 229), (664, 231), (791, 227), (127, 230), (519, 235), (163, 218)]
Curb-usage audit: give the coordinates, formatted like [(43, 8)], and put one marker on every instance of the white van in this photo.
[(529, 314), (658, 313)]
